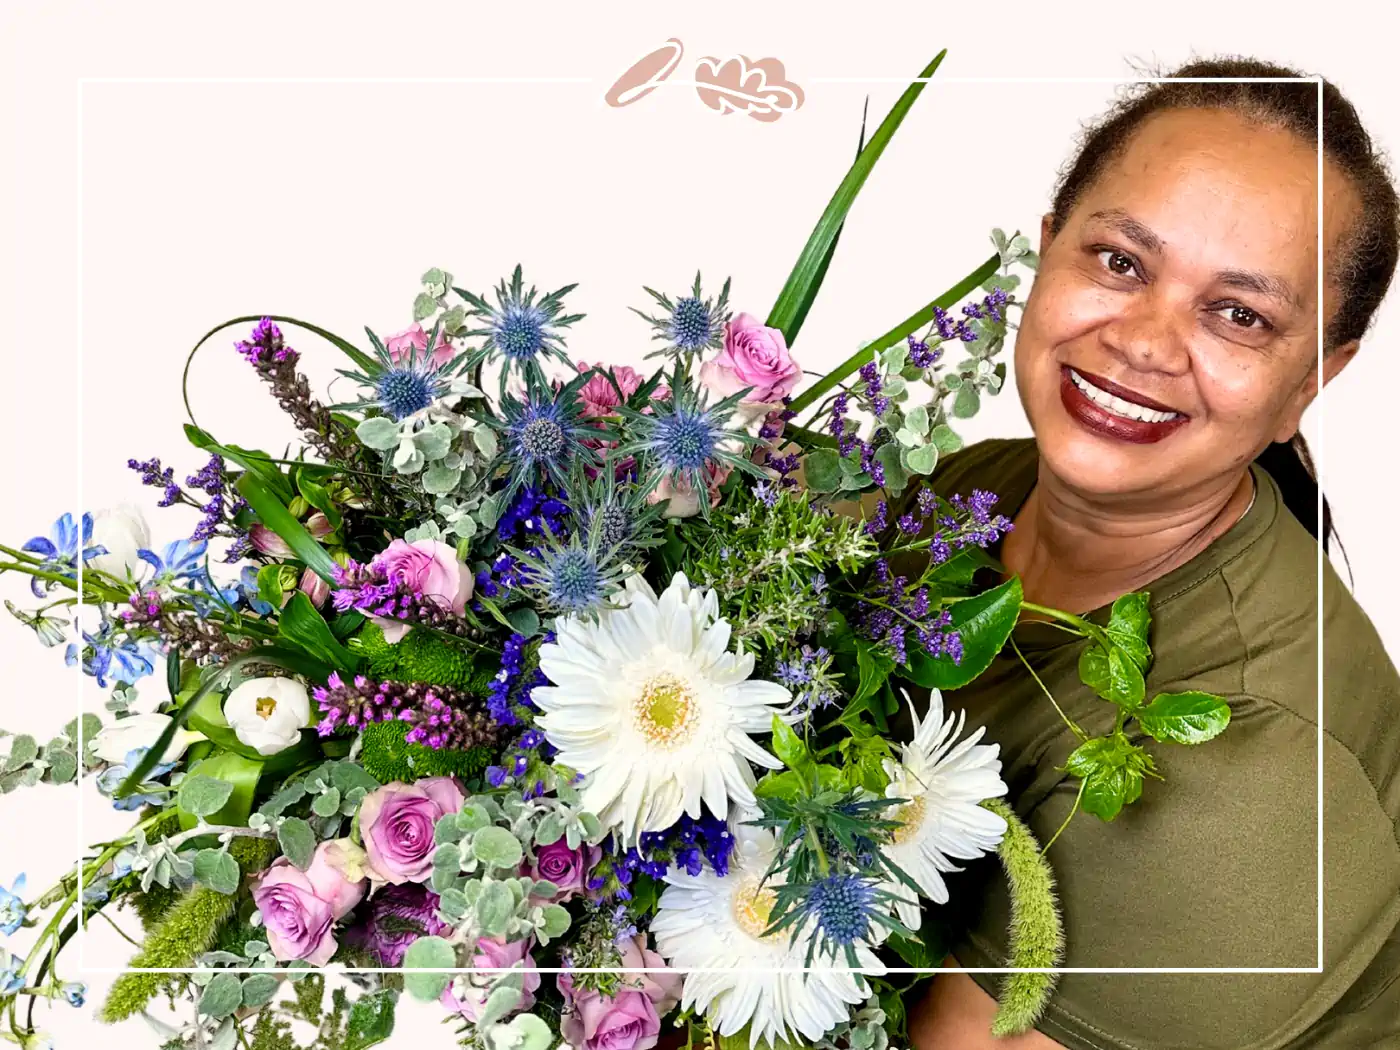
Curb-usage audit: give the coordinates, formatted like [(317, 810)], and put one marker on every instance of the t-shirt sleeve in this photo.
[(1215, 867)]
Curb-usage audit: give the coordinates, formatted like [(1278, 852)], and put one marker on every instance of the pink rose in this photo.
[(430, 568), (753, 356), (566, 868), (402, 346), (299, 907), (599, 396), (397, 822), (467, 995), (630, 1020)]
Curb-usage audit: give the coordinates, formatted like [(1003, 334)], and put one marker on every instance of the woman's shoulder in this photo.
[(995, 464)]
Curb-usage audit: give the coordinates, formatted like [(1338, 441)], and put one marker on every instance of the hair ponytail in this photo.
[(1290, 464)]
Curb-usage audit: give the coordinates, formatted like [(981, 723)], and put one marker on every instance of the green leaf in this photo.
[(556, 921), (875, 666), (1126, 687), (302, 626), (966, 401), (984, 623), (270, 587), (272, 513), (203, 795), (428, 953), (217, 870), (63, 765), (494, 907), (92, 725), (1112, 769), (258, 989), (298, 842), (378, 432), (922, 460), (945, 438), (896, 477), (319, 497), (253, 460), (1184, 718), (524, 620), (1093, 668), (497, 847), (221, 996), (371, 1019), (822, 469), (802, 284), (789, 747), (238, 772), (327, 804), (24, 749)]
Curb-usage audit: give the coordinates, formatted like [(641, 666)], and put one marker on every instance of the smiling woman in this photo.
[(1167, 352)]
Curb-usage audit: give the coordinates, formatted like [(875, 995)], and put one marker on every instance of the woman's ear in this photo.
[(1046, 236), (1332, 364)]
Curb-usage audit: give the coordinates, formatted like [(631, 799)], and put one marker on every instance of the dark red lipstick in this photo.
[(1101, 421)]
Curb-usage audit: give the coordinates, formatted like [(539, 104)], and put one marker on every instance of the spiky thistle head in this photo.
[(690, 324), (612, 504), (684, 436), (576, 576), (404, 384), (544, 434), (520, 329)]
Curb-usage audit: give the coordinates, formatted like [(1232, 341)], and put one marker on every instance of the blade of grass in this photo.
[(272, 513)]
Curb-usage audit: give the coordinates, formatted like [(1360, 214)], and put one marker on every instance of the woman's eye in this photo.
[(1118, 262), (1243, 317)]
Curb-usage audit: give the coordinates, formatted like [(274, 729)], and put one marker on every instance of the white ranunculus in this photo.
[(123, 531), (113, 742), (268, 714)]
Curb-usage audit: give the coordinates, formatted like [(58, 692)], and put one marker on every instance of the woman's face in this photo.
[(1172, 332)]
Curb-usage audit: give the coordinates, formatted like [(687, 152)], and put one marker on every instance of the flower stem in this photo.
[(1049, 696), (1072, 812)]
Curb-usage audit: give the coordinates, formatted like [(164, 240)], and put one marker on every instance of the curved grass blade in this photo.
[(801, 288), (274, 514)]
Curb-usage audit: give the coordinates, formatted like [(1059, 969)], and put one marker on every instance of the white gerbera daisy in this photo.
[(944, 781), (708, 922), (648, 703)]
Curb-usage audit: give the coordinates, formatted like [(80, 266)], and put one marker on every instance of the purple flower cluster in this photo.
[(370, 589), (266, 345), (870, 374), (920, 356), (395, 918), (948, 329), (210, 480), (687, 844), (154, 475), (981, 526), (511, 688), (530, 513), (893, 610), (807, 676), (441, 717)]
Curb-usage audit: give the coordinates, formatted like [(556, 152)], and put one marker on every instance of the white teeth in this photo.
[(1117, 405)]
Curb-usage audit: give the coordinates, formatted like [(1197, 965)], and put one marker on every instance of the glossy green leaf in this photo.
[(272, 513), (790, 748), (253, 460), (302, 626), (984, 622), (1184, 718), (1112, 769), (319, 497)]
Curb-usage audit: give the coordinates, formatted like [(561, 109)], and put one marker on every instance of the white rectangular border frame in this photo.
[(81, 86)]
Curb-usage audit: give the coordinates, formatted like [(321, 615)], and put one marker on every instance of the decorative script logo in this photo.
[(737, 84)]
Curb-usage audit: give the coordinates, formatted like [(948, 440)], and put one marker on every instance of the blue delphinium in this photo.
[(690, 325), (74, 993), (12, 910), (544, 435), (60, 548), (149, 793), (111, 652), (11, 979), (683, 437), (521, 330)]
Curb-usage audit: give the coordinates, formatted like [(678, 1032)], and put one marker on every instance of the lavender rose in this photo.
[(397, 916), (753, 356), (630, 1020), (396, 825), (299, 908), (566, 868), (467, 993), (430, 568)]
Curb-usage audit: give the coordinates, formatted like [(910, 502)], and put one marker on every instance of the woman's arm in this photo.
[(955, 1012)]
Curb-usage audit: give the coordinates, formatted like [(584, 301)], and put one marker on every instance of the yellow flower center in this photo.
[(752, 905), (910, 816), (664, 711), (264, 706)]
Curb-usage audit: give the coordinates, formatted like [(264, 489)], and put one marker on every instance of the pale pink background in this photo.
[(326, 201)]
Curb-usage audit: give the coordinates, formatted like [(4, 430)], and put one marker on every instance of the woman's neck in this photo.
[(1076, 553)]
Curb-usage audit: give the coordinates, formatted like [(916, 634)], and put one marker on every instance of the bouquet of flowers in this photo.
[(559, 692)]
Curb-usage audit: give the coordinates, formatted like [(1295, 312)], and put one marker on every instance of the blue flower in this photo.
[(520, 330), (75, 993), (248, 591), (690, 324), (181, 560), (151, 793), (108, 653), (573, 577), (12, 910), (11, 980), (843, 907), (60, 549)]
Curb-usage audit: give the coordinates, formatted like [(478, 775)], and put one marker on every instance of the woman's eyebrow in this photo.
[(1130, 228)]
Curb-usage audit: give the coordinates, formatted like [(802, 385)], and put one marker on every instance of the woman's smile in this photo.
[(1114, 411)]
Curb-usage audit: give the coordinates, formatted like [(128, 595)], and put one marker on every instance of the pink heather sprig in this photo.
[(441, 717)]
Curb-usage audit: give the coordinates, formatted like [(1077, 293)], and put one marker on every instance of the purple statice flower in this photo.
[(920, 356), (889, 609), (786, 466), (265, 345), (511, 688), (209, 478), (686, 845), (530, 513), (441, 717), (879, 521), (870, 373), (845, 438), (995, 304), (943, 323), (153, 474), (396, 917), (972, 310)]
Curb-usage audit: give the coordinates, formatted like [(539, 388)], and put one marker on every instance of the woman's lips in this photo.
[(1102, 421)]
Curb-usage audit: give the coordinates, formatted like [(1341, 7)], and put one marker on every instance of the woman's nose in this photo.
[(1151, 335)]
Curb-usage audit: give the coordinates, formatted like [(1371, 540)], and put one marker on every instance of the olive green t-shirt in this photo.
[(1217, 865)]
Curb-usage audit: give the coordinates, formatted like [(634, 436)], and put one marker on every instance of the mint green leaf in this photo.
[(217, 870), (984, 623), (497, 847), (433, 440), (967, 401), (63, 765), (921, 460), (24, 749), (378, 432), (427, 953), (298, 842), (822, 469), (916, 419), (326, 804), (424, 306), (494, 908), (221, 996), (202, 795), (500, 1001), (258, 989), (556, 921), (440, 479), (945, 438), (896, 477), (1185, 718)]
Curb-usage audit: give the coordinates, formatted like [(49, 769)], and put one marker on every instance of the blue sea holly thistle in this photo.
[(615, 507), (690, 325), (575, 575), (683, 437), (520, 330), (402, 387), (543, 434)]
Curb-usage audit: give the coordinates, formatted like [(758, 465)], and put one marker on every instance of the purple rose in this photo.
[(467, 993), (630, 1020), (396, 825), (566, 868), (397, 916), (753, 356), (300, 907), (430, 568)]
